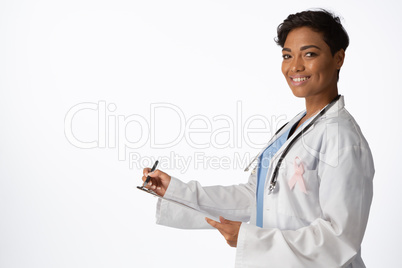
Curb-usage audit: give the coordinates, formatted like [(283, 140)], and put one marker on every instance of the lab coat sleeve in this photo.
[(332, 241), (232, 202)]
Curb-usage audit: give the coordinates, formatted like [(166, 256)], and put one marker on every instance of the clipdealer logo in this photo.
[(131, 134)]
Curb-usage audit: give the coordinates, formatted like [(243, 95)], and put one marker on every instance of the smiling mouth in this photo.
[(300, 79)]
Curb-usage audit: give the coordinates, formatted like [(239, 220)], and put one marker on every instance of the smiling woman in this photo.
[(307, 200), (310, 69), (313, 50)]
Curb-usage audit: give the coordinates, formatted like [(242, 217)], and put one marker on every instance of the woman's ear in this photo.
[(339, 58)]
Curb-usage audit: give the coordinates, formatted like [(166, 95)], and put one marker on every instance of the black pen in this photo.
[(152, 170)]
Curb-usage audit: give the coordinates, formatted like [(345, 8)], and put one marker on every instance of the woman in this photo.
[(307, 201)]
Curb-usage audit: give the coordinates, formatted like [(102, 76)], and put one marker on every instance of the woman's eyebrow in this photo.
[(310, 46), (302, 48)]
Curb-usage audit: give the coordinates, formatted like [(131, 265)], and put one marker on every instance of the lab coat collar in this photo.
[(335, 109)]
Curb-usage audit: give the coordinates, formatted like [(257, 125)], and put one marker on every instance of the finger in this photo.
[(160, 191), (225, 226), (215, 224), (152, 183), (157, 177), (226, 221), (155, 174), (211, 222), (223, 220), (144, 178), (145, 171), (154, 177), (227, 234)]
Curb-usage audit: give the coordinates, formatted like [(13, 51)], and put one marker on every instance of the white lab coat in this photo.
[(323, 228)]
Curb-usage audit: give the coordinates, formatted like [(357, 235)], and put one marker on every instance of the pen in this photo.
[(152, 170)]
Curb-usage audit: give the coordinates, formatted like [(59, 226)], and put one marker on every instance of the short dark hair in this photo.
[(321, 21)]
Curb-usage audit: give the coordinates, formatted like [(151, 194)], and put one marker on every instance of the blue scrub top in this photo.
[(263, 165)]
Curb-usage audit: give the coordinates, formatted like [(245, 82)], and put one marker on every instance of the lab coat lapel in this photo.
[(333, 111), (275, 137)]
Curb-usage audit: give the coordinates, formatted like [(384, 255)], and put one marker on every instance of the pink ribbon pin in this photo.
[(298, 176)]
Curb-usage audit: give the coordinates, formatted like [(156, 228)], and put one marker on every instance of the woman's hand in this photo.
[(229, 229), (159, 181)]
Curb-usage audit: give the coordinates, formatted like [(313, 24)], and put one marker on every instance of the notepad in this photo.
[(142, 188)]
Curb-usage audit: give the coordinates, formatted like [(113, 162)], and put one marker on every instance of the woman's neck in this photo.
[(315, 104)]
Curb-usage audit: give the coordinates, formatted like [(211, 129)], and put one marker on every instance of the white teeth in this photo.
[(300, 79)]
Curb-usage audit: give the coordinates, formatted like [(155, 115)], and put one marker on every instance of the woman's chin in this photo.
[(298, 94)]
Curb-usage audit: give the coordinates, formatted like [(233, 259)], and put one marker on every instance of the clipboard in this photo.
[(142, 188)]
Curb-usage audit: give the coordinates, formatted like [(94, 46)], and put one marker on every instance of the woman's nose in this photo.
[(297, 65)]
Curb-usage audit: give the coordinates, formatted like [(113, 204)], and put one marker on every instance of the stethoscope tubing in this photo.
[(274, 178)]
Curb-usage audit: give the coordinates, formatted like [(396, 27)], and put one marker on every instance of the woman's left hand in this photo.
[(229, 229)]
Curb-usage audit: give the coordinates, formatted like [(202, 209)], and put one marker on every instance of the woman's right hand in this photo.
[(159, 181)]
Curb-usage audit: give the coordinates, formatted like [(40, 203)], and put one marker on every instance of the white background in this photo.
[(64, 206)]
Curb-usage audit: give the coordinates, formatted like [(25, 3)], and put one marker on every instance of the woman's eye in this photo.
[(310, 54), (286, 56)]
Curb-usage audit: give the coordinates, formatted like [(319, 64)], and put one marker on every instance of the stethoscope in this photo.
[(274, 178)]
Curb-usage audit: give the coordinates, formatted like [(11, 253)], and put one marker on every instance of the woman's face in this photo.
[(308, 65)]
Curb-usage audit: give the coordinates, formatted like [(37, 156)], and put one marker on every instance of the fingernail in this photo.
[(158, 188)]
